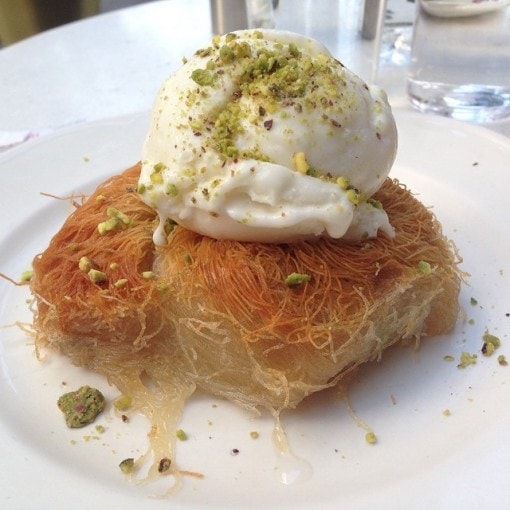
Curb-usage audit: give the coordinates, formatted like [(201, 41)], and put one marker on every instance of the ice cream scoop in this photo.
[(264, 136)]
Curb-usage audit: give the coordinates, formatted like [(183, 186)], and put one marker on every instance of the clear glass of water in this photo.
[(460, 59)]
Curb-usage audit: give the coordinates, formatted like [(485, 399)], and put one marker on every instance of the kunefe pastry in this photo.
[(136, 289)]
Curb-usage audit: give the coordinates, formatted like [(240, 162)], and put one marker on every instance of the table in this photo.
[(112, 64)]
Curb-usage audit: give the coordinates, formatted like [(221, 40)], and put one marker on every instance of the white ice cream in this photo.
[(263, 136)]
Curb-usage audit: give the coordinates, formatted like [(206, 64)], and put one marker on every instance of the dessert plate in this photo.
[(441, 430)]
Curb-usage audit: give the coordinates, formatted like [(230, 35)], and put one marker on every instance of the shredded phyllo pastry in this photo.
[(263, 325)]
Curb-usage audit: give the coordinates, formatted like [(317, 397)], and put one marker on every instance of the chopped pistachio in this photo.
[(187, 258), (85, 264), (203, 77), (107, 226), (424, 267), (100, 198), (96, 276), (490, 343), (375, 203), (27, 275), (466, 359), (300, 162), (169, 226), (181, 435), (343, 182), (112, 212), (148, 275), (117, 220), (296, 279), (447, 412), (272, 76), (100, 429), (254, 434), (502, 360), (370, 438), (354, 196), (114, 265), (159, 167), (123, 402), (172, 190), (82, 406), (473, 301), (127, 465), (227, 54), (120, 283), (162, 286), (448, 357)]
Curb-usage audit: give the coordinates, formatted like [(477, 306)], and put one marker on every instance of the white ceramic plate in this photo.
[(423, 459)]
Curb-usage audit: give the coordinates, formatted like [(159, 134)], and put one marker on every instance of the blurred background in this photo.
[(22, 18)]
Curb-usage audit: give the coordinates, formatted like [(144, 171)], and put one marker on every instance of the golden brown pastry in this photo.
[(263, 325)]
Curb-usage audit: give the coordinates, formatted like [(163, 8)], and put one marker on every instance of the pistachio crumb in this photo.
[(473, 301), (502, 360), (447, 412), (172, 190), (112, 212), (120, 283), (466, 359), (353, 196), (85, 264), (296, 279), (82, 406), (490, 344), (448, 357), (148, 275), (162, 286), (370, 438), (169, 226), (343, 182), (181, 435), (117, 220), (254, 434), (300, 162), (377, 204), (96, 276), (203, 77), (127, 465), (27, 275), (123, 402), (424, 267)]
